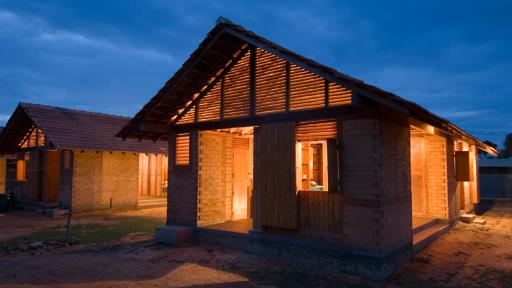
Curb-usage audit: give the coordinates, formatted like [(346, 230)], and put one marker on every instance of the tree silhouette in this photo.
[(506, 152)]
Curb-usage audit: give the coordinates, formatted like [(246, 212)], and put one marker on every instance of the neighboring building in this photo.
[(3, 171), (271, 151), (496, 178), (66, 156)]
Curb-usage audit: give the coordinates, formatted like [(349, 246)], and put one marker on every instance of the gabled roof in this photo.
[(221, 45), (69, 129)]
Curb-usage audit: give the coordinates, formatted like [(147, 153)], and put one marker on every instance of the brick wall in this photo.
[(104, 180), (437, 176), (360, 168), (215, 177), (376, 184), (183, 185), (395, 223)]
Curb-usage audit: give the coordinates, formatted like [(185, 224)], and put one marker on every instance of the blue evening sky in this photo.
[(453, 57)]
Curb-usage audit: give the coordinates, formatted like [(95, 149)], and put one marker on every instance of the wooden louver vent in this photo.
[(183, 149), (236, 89), (270, 83), (277, 84), (307, 90), (317, 130)]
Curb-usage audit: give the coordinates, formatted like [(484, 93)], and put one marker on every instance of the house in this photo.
[(496, 178), (272, 152), (3, 171), (67, 158)]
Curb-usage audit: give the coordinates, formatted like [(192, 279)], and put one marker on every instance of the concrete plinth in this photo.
[(174, 234)]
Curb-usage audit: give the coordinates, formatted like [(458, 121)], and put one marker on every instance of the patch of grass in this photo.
[(100, 233)]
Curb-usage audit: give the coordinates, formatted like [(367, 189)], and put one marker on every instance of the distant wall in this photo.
[(105, 180), (495, 182)]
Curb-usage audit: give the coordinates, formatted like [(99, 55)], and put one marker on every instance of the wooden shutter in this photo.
[(317, 130), (274, 179), (183, 149), (462, 166)]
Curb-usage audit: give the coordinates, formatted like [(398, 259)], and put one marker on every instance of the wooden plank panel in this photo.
[(462, 166), (51, 174), (183, 149), (317, 130), (274, 164), (320, 211)]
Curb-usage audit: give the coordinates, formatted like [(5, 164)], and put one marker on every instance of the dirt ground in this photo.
[(470, 255)]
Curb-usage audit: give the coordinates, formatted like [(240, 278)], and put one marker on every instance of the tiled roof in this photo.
[(69, 129)]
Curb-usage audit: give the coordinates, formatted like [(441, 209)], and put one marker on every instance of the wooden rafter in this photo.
[(212, 84)]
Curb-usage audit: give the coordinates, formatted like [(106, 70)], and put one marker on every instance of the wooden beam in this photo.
[(196, 60), (212, 84), (252, 88), (196, 112), (346, 112)]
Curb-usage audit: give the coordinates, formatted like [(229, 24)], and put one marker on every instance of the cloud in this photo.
[(462, 113), (41, 32), (4, 117)]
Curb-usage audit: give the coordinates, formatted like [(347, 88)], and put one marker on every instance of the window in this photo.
[(21, 170), (183, 149), (313, 168), (317, 156)]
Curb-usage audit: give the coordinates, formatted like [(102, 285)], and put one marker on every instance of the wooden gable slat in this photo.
[(270, 83), (307, 90), (236, 91)]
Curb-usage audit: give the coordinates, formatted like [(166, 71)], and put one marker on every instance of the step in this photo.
[(152, 203), (424, 238), (425, 226), (467, 218)]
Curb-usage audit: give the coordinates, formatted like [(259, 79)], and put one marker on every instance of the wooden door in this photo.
[(418, 179), (274, 176), (241, 179), (51, 174)]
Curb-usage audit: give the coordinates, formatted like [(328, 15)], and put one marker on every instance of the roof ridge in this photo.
[(28, 105)]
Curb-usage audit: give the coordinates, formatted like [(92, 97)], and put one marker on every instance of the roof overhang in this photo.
[(220, 46)]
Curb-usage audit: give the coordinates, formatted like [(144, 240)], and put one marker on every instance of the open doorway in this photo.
[(226, 179), (429, 182)]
